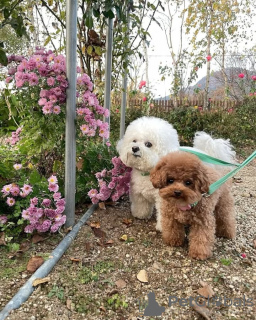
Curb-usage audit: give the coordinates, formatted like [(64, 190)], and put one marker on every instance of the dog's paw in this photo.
[(200, 254)]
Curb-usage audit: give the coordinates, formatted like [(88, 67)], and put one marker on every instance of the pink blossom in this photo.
[(33, 79), (56, 196), (8, 79), (108, 144), (95, 200), (254, 78), (15, 190), (29, 229), (50, 81), (25, 214), (3, 219), (47, 109), (243, 255), (61, 202), (53, 187), (241, 75), (55, 227), (27, 189), (6, 189), (10, 201), (43, 93), (144, 98), (45, 226), (53, 179), (46, 202), (56, 110), (92, 193), (60, 209), (209, 58), (142, 84), (17, 166), (42, 101)]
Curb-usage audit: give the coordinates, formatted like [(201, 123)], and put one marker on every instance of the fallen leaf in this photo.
[(34, 263), (68, 304), (37, 238), (254, 243), (124, 237), (99, 233), (102, 308), (79, 164), (38, 281), (109, 242), (75, 259), (94, 224), (24, 246), (127, 222), (120, 284), (203, 311), (142, 276), (87, 246), (2, 239), (206, 291), (102, 205)]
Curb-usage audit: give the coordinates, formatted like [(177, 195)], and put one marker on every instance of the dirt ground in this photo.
[(97, 277)]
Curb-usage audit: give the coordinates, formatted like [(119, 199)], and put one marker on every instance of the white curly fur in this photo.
[(146, 140)]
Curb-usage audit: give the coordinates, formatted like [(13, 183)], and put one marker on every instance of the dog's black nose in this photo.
[(135, 149), (177, 193)]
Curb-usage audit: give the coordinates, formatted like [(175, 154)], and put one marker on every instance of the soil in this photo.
[(97, 276)]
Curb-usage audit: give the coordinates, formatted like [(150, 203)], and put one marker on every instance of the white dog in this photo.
[(146, 140)]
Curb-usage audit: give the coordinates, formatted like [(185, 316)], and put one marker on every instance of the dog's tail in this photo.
[(217, 148)]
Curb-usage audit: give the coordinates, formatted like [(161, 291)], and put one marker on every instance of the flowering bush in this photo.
[(113, 184), (33, 203)]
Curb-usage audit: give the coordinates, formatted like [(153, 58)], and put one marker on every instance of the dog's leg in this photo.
[(173, 232), (225, 217), (140, 207), (201, 238)]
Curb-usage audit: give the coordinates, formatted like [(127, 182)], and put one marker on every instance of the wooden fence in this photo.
[(168, 105)]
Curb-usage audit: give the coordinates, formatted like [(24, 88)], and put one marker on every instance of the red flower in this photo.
[(254, 78), (241, 75), (142, 84), (243, 255), (144, 98), (208, 58)]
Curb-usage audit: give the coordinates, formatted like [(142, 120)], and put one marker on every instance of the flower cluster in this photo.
[(45, 70), (113, 183), (45, 214), (89, 109), (142, 84), (253, 87), (15, 137)]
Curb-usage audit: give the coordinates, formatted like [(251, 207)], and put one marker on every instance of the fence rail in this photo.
[(168, 105)]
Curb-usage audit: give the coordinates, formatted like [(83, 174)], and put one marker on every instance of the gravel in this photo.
[(97, 276)]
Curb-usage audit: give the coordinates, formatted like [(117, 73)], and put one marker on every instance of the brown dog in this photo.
[(182, 179)]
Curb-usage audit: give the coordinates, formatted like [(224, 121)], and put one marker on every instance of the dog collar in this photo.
[(145, 174)]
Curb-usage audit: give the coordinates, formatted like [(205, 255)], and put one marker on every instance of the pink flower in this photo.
[(42, 101), (10, 201), (27, 189), (50, 81), (25, 214), (142, 84), (29, 229), (47, 109), (53, 187), (209, 58), (15, 190), (108, 144), (3, 219), (254, 78), (241, 75), (56, 196), (243, 255), (33, 79), (6, 189), (92, 193), (53, 179), (144, 98), (56, 110)]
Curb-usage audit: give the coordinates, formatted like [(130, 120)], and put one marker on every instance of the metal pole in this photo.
[(108, 70), (70, 148)]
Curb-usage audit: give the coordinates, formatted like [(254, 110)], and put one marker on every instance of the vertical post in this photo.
[(70, 148), (124, 82), (108, 70)]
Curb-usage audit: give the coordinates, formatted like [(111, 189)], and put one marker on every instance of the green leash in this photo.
[(214, 186)]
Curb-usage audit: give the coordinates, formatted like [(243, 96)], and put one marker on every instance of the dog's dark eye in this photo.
[(134, 141), (188, 183), (148, 144), (170, 181)]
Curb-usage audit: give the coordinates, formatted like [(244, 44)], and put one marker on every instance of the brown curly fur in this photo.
[(182, 179)]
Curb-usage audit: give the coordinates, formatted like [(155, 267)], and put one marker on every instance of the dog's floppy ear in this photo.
[(158, 175), (203, 181)]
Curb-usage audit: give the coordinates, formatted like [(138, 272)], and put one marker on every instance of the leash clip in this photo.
[(206, 195)]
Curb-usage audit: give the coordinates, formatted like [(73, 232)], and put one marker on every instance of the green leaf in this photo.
[(34, 177), (89, 50), (3, 57)]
